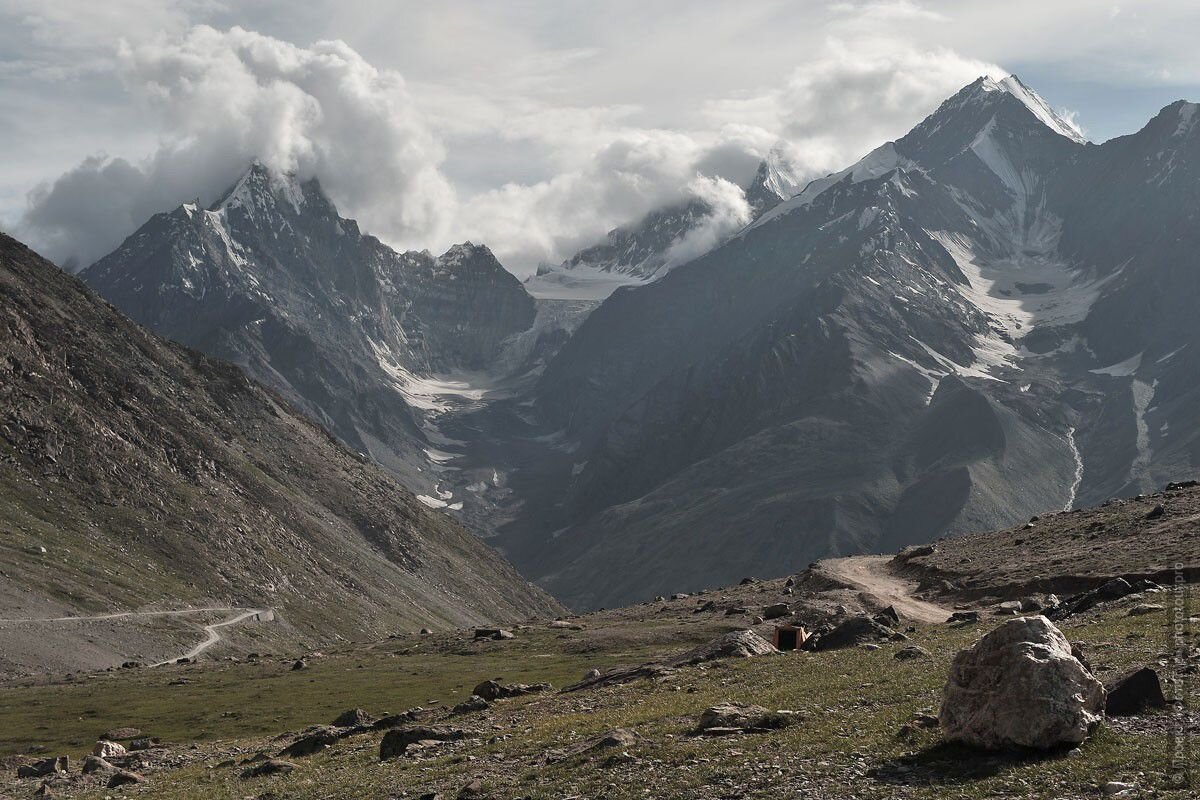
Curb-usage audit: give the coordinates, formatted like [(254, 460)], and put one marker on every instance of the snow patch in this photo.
[(1122, 369)]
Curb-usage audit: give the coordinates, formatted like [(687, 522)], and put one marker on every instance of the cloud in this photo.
[(224, 98), (851, 97)]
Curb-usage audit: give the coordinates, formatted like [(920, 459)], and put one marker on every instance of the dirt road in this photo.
[(212, 636), (870, 574)]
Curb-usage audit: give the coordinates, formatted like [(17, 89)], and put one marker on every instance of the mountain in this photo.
[(363, 339), (651, 247), (134, 471), (983, 320)]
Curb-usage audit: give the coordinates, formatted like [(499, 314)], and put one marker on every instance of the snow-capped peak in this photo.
[(260, 185), (1036, 104)]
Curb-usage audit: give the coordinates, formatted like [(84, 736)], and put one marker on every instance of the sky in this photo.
[(532, 126)]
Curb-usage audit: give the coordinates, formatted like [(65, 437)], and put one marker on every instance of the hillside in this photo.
[(136, 473)]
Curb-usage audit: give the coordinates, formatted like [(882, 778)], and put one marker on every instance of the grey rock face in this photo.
[(1020, 687)]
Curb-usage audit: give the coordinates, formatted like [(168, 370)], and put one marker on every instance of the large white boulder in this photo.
[(1020, 687)]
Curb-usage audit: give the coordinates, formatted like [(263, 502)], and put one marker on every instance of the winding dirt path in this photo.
[(212, 636), (870, 574)]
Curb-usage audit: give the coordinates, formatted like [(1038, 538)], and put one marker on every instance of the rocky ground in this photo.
[(861, 723)]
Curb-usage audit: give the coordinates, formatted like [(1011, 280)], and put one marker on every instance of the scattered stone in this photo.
[(964, 617), (299, 664), (619, 675), (680, 596), (1142, 609), (353, 718), (107, 749), (314, 742), (915, 551), (1156, 512), (493, 690), (397, 741), (44, 791), (143, 744), (1020, 687), (124, 777), (471, 705), (1133, 693), (272, 766), (735, 717), (747, 581), (1117, 789), (911, 652)]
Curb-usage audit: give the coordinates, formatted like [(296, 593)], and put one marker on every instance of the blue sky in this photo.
[(531, 125)]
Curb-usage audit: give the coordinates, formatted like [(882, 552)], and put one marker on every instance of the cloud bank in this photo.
[(223, 98)]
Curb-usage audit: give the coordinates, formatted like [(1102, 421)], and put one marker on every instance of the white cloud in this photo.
[(226, 97), (850, 98)]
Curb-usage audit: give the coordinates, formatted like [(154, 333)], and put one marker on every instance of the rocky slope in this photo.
[(360, 337), (134, 471), (951, 335)]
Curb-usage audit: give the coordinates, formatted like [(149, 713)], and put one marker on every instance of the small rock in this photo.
[(45, 767), (472, 791), (1156, 512), (1117, 788), (493, 690), (911, 652), (964, 617), (1141, 609), (107, 749), (124, 777), (299, 664), (272, 766)]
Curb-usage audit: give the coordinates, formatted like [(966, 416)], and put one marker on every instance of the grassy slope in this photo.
[(853, 702)]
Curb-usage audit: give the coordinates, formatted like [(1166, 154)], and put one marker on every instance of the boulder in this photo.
[(107, 749), (729, 717), (299, 664), (911, 652), (492, 633), (144, 743), (1112, 590), (97, 764), (311, 743), (889, 617), (493, 690), (735, 644), (856, 630), (472, 791), (964, 617), (124, 777), (776, 610), (48, 766), (1133, 693), (396, 741), (472, 704), (1020, 687), (353, 718)]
